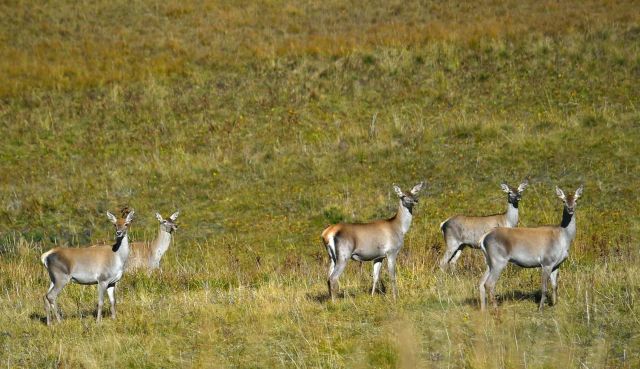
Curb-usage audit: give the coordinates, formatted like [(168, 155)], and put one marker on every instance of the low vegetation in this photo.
[(264, 122)]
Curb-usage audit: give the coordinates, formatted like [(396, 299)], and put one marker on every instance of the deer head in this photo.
[(122, 225), (411, 198), (514, 194), (569, 200), (168, 225)]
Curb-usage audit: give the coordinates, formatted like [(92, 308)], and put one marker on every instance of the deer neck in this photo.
[(121, 247), (568, 223), (512, 214), (402, 219), (161, 244)]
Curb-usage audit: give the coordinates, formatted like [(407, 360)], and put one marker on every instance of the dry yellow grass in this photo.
[(265, 121), (66, 45)]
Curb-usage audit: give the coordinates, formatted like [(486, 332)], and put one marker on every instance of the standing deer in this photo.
[(100, 264), (147, 255), (370, 241), (460, 231), (542, 247)]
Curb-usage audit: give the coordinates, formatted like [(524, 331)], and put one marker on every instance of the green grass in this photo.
[(264, 122)]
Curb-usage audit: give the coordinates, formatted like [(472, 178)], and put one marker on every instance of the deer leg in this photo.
[(452, 246), (102, 287), (57, 285), (333, 278), (455, 258), (377, 265), (492, 279), (546, 272), (332, 260), (391, 266), (47, 305), (483, 294), (554, 286), (111, 291), (332, 266)]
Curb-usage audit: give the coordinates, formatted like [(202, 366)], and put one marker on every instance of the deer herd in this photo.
[(497, 236)]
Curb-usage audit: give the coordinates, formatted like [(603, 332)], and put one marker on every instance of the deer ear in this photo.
[(174, 216), (112, 218), (523, 185), (129, 217), (505, 187), (398, 191), (560, 194), (578, 192), (159, 217), (417, 188)]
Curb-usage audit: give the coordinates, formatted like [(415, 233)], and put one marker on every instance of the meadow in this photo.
[(263, 122)]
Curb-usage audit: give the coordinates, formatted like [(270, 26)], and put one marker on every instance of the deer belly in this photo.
[(367, 254), (526, 263), (87, 277), (526, 259), (93, 277)]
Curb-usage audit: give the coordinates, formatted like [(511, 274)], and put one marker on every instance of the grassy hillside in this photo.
[(264, 122)]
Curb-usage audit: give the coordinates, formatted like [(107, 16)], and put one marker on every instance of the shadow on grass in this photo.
[(42, 317), (519, 295), (533, 296), (323, 297)]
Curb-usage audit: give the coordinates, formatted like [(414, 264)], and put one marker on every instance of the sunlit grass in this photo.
[(264, 122)]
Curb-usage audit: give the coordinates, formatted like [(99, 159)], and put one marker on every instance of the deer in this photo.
[(544, 247), (461, 231), (147, 255), (375, 241), (99, 264)]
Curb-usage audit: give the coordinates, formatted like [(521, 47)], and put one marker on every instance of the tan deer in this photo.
[(370, 241), (460, 231), (100, 264), (147, 255), (542, 247)]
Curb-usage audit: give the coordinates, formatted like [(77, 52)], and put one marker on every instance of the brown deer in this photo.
[(100, 264), (542, 247), (460, 231), (373, 241), (147, 255)]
